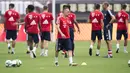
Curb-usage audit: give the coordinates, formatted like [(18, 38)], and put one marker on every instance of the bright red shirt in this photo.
[(95, 18), (31, 22), (71, 17), (64, 27), (45, 21), (11, 17), (121, 17)]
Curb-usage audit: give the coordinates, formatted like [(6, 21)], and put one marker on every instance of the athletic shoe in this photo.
[(90, 52), (73, 64), (125, 51), (45, 54), (42, 54), (27, 52), (108, 56), (117, 50), (97, 54), (12, 52), (31, 54), (56, 64), (34, 54)]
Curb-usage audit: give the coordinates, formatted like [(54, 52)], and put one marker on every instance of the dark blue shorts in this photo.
[(11, 34), (96, 33), (45, 36), (108, 34), (63, 44), (33, 37), (120, 33), (72, 34)]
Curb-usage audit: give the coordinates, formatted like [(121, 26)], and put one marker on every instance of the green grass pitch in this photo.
[(118, 64)]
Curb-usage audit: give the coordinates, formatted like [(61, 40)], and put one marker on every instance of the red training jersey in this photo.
[(45, 21), (121, 17), (11, 17), (31, 22), (95, 18), (64, 27), (71, 17)]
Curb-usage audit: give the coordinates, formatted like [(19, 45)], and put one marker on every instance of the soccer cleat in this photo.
[(12, 52), (45, 54), (117, 50), (73, 64), (108, 56), (42, 54), (9, 48), (125, 51), (97, 54), (31, 54), (56, 64), (27, 52), (34, 54), (90, 52)]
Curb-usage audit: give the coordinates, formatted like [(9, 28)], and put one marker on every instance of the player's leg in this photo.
[(125, 41), (28, 49), (99, 34), (108, 42), (118, 37), (35, 46), (8, 36), (68, 47), (57, 49), (93, 38), (46, 47), (42, 44), (72, 39), (14, 37), (30, 40)]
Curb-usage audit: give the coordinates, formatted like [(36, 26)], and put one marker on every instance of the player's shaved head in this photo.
[(11, 5), (97, 6), (124, 6), (30, 8)]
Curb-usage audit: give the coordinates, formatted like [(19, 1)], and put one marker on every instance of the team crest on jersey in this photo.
[(11, 19), (95, 21), (43, 16), (30, 16), (45, 22), (10, 12), (119, 14), (93, 14)]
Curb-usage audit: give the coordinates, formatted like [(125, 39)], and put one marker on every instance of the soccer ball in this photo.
[(129, 63), (14, 63), (8, 63), (18, 62)]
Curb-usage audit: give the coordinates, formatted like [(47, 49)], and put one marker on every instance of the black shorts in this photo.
[(33, 37), (72, 34), (108, 34), (120, 33), (45, 36), (63, 44), (95, 33), (11, 34)]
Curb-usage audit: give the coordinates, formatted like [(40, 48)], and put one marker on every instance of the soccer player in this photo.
[(73, 21), (108, 20), (11, 16), (32, 29), (122, 27), (45, 27), (64, 37), (96, 18)]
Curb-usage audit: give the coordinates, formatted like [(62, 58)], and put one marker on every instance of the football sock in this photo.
[(46, 51), (109, 52), (12, 49), (97, 51), (56, 59), (42, 50), (8, 44), (125, 48), (70, 60), (28, 49), (117, 46), (34, 48), (91, 46)]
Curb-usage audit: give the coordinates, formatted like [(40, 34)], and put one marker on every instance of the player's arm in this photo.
[(112, 17), (76, 23), (126, 22)]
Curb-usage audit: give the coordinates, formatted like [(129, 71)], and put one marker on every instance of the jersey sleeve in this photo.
[(5, 15), (52, 17), (109, 11), (74, 16), (58, 20), (127, 16), (102, 17)]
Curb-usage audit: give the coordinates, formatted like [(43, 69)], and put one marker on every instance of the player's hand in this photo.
[(79, 31), (107, 26), (63, 36), (15, 23)]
